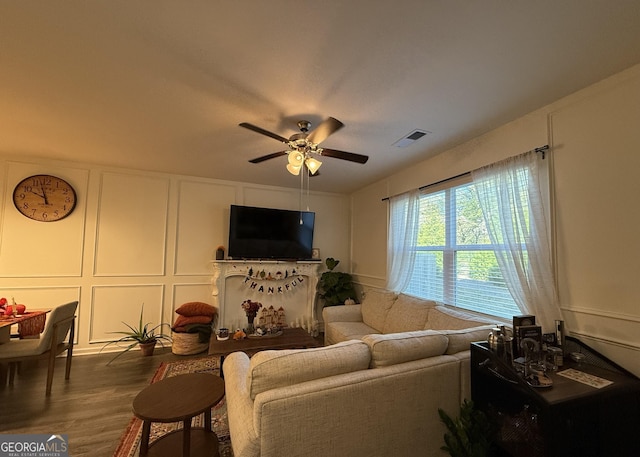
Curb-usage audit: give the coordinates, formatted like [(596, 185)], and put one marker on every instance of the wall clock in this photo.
[(44, 198)]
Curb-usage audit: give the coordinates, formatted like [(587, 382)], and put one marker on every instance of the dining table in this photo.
[(30, 324)]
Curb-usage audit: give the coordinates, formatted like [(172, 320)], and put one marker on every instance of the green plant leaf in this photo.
[(469, 435), (141, 334)]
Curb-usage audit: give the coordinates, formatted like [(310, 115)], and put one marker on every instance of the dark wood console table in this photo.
[(291, 338), (568, 419)]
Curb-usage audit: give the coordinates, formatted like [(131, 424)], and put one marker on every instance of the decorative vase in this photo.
[(147, 348), (250, 328)]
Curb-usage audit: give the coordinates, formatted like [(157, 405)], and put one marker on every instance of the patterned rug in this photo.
[(130, 439)]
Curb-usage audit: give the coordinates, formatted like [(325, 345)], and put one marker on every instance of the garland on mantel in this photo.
[(270, 276)]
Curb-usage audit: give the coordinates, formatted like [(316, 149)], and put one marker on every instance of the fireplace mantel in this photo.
[(269, 282)]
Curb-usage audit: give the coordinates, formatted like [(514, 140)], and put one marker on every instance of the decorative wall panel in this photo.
[(596, 188), (271, 198), (184, 293), (114, 304), (30, 248), (132, 225), (203, 221)]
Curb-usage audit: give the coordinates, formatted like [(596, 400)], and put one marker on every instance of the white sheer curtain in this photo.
[(404, 212), (512, 196)]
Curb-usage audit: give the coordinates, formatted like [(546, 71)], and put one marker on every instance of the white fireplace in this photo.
[(290, 285)]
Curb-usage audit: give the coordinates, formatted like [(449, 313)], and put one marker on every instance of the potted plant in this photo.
[(334, 286), (469, 435), (143, 336)]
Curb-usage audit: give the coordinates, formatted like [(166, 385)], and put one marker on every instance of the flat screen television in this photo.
[(267, 233)]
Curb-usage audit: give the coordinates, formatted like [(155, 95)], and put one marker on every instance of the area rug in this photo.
[(130, 439)]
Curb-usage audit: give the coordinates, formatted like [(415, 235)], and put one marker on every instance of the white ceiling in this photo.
[(162, 85)]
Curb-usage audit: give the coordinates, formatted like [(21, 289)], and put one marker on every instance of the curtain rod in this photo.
[(541, 149)]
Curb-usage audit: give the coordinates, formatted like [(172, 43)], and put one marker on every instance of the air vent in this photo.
[(410, 138)]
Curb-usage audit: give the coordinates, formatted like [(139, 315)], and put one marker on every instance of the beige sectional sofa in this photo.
[(382, 311), (374, 393)]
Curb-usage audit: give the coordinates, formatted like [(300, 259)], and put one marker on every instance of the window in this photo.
[(455, 261)]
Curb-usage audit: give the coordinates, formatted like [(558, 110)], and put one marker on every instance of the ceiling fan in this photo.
[(304, 147)]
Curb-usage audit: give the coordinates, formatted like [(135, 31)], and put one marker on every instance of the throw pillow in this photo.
[(408, 314), (182, 321), (375, 307), (196, 308)]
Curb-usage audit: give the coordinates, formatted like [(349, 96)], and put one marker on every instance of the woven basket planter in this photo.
[(187, 344)]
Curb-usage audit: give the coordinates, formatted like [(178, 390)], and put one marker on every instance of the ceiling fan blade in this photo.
[(350, 156), (326, 128), (262, 131), (269, 156)]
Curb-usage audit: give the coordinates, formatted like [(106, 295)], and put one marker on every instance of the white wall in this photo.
[(596, 155), (135, 238)]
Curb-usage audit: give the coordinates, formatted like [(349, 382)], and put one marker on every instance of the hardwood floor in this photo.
[(93, 408)]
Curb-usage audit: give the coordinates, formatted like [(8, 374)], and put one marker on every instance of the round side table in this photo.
[(179, 399)]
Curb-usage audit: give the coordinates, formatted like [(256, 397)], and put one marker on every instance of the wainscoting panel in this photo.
[(616, 328), (24, 240), (184, 293), (613, 334), (271, 198), (595, 144), (368, 235), (45, 298), (203, 221), (41, 297), (132, 225), (114, 304), (331, 233), (628, 357)]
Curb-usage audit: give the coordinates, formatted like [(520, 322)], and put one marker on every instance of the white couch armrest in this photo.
[(245, 440)]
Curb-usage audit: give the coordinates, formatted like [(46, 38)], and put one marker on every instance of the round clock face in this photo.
[(44, 198)]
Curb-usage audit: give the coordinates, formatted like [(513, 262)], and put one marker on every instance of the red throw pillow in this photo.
[(196, 308), (181, 321)]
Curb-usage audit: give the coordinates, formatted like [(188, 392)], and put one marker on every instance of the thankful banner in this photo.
[(267, 286)]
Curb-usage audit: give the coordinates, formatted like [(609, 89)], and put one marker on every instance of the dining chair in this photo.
[(51, 343)]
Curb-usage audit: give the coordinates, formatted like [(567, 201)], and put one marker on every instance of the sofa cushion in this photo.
[(343, 331), (394, 348), (460, 340), (442, 318), (407, 314), (281, 368), (375, 307)]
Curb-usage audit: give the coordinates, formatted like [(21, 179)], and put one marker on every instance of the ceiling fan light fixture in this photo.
[(305, 145), (313, 165), (294, 169), (296, 158)]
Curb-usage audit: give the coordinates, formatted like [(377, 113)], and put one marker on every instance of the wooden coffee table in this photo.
[(291, 338), (179, 399)]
